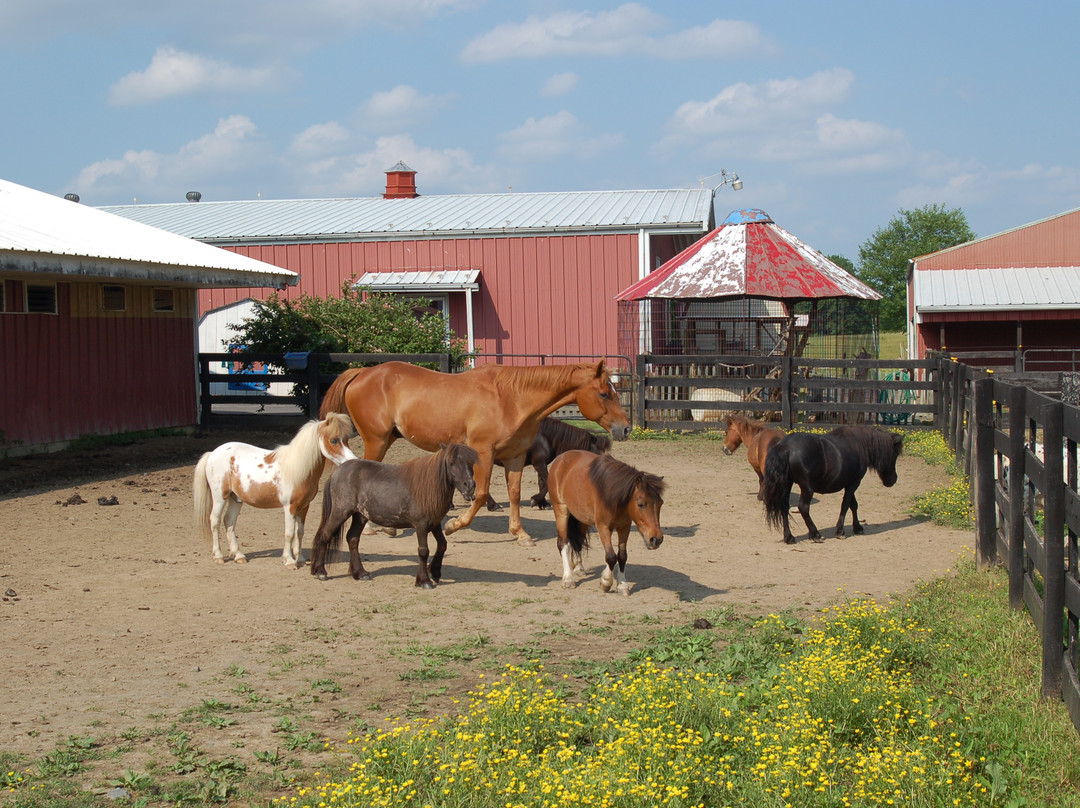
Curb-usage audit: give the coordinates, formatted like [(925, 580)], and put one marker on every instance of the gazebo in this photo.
[(749, 288)]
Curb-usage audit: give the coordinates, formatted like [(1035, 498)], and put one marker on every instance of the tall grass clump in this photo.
[(949, 505)]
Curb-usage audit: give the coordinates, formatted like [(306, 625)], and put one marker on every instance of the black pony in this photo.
[(416, 494), (552, 439), (826, 464)]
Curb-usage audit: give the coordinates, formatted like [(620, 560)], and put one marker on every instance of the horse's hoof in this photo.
[(426, 585), (365, 577), (493, 506), (453, 526), (624, 591), (605, 586), (526, 541), (290, 565), (789, 539), (219, 560), (568, 584), (322, 576), (240, 559)]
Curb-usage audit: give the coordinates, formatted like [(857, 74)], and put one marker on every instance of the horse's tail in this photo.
[(335, 542), (334, 400), (776, 485), (204, 502), (577, 534)]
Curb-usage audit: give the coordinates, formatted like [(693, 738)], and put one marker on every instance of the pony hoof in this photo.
[(789, 539), (526, 541), (240, 559), (291, 565), (453, 526), (219, 560), (426, 585), (605, 586), (322, 576)]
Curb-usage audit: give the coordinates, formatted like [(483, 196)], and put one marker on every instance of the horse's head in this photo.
[(334, 433), (460, 460), (599, 401), (887, 471), (732, 436), (644, 508)]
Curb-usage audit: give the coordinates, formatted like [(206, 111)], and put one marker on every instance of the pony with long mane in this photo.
[(495, 409), (837, 461), (588, 489), (287, 477), (416, 494), (758, 437), (552, 439)]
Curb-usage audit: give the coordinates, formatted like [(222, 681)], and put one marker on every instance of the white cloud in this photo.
[(559, 84), (629, 29), (174, 72), (553, 136), (320, 138), (233, 147), (399, 108)]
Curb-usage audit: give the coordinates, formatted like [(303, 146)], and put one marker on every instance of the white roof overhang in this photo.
[(998, 289), (437, 280)]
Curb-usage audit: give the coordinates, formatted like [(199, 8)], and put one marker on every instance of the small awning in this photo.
[(434, 280)]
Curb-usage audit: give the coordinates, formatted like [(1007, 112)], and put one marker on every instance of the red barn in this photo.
[(98, 320), (1014, 291), (518, 273)]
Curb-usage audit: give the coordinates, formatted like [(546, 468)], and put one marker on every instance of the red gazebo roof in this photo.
[(749, 255)]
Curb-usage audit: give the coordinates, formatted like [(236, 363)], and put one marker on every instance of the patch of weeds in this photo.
[(133, 781), (306, 741), (326, 686), (235, 670)]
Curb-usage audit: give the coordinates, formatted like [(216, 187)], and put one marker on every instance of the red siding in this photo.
[(538, 295), (1050, 243), (67, 376)]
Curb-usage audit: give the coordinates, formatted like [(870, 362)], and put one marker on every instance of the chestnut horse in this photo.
[(495, 409), (416, 494), (286, 477), (826, 463), (552, 439), (758, 437), (588, 489)]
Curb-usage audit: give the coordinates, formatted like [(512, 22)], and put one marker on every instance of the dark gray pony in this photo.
[(552, 439), (416, 494), (825, 464)]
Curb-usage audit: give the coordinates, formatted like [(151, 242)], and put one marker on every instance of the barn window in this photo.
[(41, 298), (113, 298), (164, 300)]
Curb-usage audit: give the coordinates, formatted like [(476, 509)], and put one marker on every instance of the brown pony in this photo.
[(495, 409), (588, 489), (758, 437), (552, 439), (416, 494)]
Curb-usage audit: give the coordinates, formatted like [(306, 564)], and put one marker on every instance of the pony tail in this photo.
[(334, 400), (577, 534), (775, 487), (204, 502)]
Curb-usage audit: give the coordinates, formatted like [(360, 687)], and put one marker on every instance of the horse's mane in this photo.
[(875, 447), (520, 379), (616, 481), (564, 437), (298, 458), (426, 476)]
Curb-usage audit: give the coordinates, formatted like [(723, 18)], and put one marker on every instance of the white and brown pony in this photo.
[(285, 477)]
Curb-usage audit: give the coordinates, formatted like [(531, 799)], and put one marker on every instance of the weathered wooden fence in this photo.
[(1019, 446)]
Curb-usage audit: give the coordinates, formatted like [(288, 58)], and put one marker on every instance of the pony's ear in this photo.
[(600, 367)]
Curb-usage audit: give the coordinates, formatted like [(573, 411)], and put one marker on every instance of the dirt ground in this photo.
[(115, 619)]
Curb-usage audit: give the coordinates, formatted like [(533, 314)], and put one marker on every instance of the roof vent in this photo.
[(72, 198), (193, 196), (400, 182)]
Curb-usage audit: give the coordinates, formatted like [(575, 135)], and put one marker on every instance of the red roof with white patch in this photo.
[(749, 255)]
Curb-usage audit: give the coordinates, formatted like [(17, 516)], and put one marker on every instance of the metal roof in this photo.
[(46, 234), (452, 215), (1023, 288), (749, 255), (437, 280)]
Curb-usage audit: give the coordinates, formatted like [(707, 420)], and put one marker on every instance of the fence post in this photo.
[(204, 392), (983, 468), (786, 392), (1054, 545), (639, 397), (314, 396), (1017, 419)]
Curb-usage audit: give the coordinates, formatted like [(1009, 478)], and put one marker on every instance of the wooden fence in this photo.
[(1019, 446)]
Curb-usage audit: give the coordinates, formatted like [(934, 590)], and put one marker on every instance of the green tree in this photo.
[(884, 257), (349, 323)]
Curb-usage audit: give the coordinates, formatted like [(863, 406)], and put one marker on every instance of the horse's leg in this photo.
[(352, 536), (375, 447), (320, 545), (804, 511), (607, 577), (624, 587), (294, 525), (566, 553), (232, 511), (423, 578), (514, 467), (435, 567), (856, 525), (539, 499), (215, 528), (482, 474)]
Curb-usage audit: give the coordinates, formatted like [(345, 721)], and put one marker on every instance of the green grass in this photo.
[(930, 701)]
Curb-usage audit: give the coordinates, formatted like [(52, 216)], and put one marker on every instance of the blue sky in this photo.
[(835, 115)]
